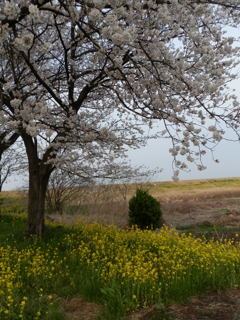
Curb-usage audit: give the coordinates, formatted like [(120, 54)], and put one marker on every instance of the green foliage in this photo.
[(55, 313), (144, 210)]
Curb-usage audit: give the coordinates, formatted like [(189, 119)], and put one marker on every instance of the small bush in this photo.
[(144, 210)]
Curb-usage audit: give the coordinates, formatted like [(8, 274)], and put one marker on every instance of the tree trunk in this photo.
[(1, 184), (39, 174), (38, 182)]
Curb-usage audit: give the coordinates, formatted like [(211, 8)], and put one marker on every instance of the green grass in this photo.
[(13, 204), (201, 228), (204, 228)]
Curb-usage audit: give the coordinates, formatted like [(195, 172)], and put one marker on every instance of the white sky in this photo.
[(155, 154)]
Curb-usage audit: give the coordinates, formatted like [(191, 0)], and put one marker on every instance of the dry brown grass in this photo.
[(185, 206), (216, 201), (13, 194), (201, 199), (108, 213)]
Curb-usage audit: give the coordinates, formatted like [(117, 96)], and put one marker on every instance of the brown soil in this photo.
[(215, 306), (217, 206), (79, 309)]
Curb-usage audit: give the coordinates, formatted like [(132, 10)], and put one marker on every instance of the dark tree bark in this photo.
[(39, 174), (1, 183), (0, 173), (5, 142), (38, 181)]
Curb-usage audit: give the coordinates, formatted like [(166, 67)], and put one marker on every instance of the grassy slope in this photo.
[(187, 185), (164, 186)]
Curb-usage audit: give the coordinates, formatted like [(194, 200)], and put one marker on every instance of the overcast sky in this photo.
[(155, 154), (227, 152)]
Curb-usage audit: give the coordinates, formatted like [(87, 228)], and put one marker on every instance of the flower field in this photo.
[(121, 269)]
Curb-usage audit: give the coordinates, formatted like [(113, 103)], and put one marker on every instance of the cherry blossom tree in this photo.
[(84, 77)]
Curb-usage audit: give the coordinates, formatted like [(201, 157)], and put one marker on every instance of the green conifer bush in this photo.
[(144, 210)]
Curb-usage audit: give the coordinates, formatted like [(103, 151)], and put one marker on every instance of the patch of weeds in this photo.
[(200, 228), (183, 228), (13, 205), (75, 209), (11, 228), (115, 304), (123, 270), (208, 228), (55, 313), (85, 282)]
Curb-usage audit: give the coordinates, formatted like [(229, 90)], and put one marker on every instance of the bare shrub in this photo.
[(62, 189)]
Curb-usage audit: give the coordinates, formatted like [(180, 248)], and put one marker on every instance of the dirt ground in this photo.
[(213, 306), (209, 207), (79, 309)]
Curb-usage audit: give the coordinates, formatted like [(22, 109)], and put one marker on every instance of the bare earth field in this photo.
[(216, 206)]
